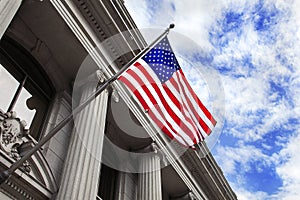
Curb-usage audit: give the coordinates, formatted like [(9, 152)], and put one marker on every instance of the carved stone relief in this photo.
[(12, 132)]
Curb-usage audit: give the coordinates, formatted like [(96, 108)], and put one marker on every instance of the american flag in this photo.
[(157, 81)]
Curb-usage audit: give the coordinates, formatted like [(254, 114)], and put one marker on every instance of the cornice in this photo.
[(104, 24), (21, 185), (202, 174)]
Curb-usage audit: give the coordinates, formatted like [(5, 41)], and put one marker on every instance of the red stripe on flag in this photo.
[(200, 121), (180, 106), (169, 110), (204, 126), (135, 92), (152, 115), (165, 103), (172, 105), (151, 80), (203, 108), (165, 129)]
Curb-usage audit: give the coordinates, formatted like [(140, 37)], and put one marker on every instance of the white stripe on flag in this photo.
[(164, 94), (187, 109), (194, 103), (156, 113)]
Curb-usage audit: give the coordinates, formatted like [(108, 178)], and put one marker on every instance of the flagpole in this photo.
[(4, 175)]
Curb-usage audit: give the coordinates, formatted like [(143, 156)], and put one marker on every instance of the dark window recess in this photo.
[(107, 184), (24, 87)]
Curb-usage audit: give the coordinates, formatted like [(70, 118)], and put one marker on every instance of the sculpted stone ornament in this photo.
[(100, 76), (192, 196), (12, 132), (115, 95)]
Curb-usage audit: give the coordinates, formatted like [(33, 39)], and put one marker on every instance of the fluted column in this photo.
[(149, 180), (82, 166), (126, 186), (8, 9)]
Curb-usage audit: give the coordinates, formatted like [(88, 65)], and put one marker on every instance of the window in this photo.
[(24, 88), (13, 96)]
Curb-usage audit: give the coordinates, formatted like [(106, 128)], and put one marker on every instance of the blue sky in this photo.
[(254, 48)]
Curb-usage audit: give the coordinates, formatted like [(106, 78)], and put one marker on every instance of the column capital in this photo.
[(154, 150), (95, 78), (150, 148)]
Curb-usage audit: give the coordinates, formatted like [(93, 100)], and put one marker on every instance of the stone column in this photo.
[(82, 166), (149, 179), (8, 9), (126, 186)]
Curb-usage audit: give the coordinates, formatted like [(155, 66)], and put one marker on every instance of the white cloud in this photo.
[(138, 12), (191, 17), (251, 93), (253, 107), (244, 194), (8, 87), (237, 160), (289, 170)]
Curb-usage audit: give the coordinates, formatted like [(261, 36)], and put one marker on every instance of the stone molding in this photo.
[(23, 193)]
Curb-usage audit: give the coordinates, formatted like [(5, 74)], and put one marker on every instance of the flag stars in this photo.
[(162, 60)]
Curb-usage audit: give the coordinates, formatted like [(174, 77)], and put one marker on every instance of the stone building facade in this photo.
[(53, 54)]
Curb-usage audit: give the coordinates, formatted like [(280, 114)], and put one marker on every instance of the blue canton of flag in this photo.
[(162, 60), (158, 83)]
